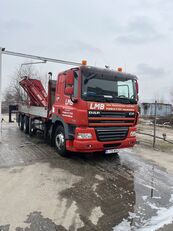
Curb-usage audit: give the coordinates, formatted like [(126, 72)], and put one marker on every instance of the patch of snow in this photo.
[(152, 205), (148, 186), (94, 188), (164, 217), (123, 226), (95, 215), (132, 215), (156, 197), (144, 197), (98, 177)]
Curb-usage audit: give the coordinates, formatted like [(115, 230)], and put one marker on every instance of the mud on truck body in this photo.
[(87, 109)]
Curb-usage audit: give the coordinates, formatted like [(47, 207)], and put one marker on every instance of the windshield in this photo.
[(108, 88)]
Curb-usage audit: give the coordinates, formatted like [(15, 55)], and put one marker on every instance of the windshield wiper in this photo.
[(125, 99), (97, 98), (92, 76)]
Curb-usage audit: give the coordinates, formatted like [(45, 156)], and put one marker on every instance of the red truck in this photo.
[(87, 109)]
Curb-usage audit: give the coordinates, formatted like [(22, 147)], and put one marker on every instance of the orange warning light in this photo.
[(120, 69), (84, 62)]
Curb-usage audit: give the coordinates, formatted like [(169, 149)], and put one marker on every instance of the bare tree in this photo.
[(21, 72), (15, 93)]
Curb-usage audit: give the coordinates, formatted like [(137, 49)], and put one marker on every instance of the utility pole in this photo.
[(155, 118), (0, 93)]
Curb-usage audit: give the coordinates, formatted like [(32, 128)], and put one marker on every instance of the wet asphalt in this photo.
[(107, 190)]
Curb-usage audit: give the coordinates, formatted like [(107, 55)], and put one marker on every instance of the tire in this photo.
[(26, 125), (21, 122), (31, 129), (60, 142), (50, 139), (46, 133)]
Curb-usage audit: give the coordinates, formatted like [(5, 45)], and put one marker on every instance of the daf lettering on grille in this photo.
[(94, 112)]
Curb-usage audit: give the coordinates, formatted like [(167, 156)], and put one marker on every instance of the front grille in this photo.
[(96, 118), (111, 114), (111, 121), (111, 133)]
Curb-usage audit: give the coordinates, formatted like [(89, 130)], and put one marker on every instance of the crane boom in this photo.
[(52, 60), (3, 51)]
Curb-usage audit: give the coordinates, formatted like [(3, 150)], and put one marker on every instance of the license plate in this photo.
[(111, 151)]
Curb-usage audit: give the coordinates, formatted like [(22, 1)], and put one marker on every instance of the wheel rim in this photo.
[(59, 140)]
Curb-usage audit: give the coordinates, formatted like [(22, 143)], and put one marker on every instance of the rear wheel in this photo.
[(31, 129), (26, 125), (21, 122), (60, 142)]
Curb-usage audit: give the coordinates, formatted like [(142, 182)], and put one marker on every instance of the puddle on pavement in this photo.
[(153, 187), (114, 193), (127, 193)]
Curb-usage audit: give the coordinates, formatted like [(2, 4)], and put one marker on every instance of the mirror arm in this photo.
[(74, 100)]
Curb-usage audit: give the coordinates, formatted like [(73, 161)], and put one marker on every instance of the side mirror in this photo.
[(69, 78), (137, 87), (69, 91)]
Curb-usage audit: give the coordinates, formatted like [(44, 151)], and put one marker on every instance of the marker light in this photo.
[(84, 136), (120, 69), (84, 62)]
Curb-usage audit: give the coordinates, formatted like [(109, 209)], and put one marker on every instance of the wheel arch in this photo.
[(57, 121)]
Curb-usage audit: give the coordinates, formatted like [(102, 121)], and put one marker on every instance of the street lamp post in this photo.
[(155, 120)]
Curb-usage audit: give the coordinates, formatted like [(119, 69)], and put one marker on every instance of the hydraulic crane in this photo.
[(3, 51)]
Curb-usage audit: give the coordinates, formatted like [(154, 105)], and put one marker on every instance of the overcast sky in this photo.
[(135, 34)]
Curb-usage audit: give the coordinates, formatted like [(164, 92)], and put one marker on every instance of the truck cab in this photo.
[(94, 110)]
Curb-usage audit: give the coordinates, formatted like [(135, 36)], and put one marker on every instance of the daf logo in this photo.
[(94, 112)]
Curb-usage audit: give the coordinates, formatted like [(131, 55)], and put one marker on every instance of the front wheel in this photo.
[(60, 142)]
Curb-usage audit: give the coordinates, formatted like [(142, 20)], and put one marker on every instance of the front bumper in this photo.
[(93, 145)]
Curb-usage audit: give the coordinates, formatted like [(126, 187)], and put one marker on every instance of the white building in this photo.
[(148, 109)]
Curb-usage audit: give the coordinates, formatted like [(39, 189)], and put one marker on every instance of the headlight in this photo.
[(133, 133), (84, 136)]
